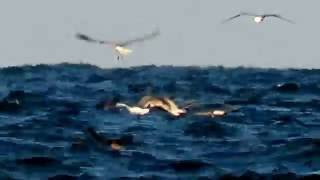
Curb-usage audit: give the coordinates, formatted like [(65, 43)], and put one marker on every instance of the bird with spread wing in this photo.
[(120, 47), (258, 18)]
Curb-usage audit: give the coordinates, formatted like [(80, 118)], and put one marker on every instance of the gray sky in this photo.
[(42, 31)]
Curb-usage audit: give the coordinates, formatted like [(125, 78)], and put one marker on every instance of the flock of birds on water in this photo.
[(147, 103)]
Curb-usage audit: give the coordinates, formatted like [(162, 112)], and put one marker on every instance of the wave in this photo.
[(46, 109)]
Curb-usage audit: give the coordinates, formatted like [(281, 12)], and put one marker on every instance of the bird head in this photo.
[(258, 19)]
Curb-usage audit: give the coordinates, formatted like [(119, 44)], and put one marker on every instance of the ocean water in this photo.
[(46, 110)]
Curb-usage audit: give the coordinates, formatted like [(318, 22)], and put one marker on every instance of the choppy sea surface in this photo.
[(45, 111)]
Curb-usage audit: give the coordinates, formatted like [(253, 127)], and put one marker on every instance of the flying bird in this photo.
[(120, 47), (163, 103), (258, 18)]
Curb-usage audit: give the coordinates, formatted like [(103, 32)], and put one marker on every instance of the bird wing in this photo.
[(89, 39), (202, 113), (157, 102), (141, 39), (143, 102), (190, 103), (164, 105), (238, 15), (228, 108), (278, 16), (171, 103), (97, 136)]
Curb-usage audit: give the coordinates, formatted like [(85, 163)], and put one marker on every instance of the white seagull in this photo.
[(120, 47), (258, 18)]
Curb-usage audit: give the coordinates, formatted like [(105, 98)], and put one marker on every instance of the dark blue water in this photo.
[(46, 109)]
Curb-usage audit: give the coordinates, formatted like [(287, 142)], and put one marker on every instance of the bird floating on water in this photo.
[(258, 18), (115, 144), (213, 113), (120, 47), (220, 112)]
